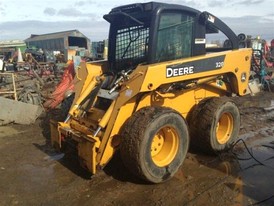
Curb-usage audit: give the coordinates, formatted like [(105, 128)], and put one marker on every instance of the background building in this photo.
[(9, 48), (69, 43)]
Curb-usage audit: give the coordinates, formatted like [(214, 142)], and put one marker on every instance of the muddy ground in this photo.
[(32, 173)]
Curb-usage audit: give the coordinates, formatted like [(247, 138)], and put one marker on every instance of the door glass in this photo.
[(174, 36)]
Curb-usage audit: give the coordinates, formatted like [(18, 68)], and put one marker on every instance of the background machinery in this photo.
[(159, 90)]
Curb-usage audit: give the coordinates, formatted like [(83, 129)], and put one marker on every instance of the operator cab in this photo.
[(155, 32)]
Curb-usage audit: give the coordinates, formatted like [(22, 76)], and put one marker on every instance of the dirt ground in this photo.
[(32, 173)]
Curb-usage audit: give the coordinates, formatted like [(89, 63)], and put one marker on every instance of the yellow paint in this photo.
[(147, 86), (234, 61), (85, 82), (224, 128), (164, 146)]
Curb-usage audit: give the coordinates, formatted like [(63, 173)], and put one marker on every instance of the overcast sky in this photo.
[(20, 19)]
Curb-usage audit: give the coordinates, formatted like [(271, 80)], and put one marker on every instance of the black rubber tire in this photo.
[(204, 123), (136, 141)]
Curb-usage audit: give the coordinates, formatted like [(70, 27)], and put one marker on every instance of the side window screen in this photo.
[(131, 46), (174, 36)]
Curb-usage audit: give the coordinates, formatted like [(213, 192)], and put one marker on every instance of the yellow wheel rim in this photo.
[(224, 128), (164, 146)]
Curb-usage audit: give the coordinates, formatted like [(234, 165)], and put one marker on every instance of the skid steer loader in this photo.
[(159, 89)]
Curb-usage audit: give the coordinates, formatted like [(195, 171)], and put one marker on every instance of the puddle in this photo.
[(256, 160), (55, 157), (249, 169)]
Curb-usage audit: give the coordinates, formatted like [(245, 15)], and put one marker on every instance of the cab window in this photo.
[(174, 38)]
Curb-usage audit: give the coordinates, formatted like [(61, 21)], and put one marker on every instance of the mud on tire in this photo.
[(214, 124), (154, 143)]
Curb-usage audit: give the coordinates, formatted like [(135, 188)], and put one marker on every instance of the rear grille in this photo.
[(131, 47)]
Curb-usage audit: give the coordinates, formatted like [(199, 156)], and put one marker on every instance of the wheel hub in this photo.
[(164, 146), (224, 128)]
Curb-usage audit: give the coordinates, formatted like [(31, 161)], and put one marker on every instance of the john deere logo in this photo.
[(174, 72)]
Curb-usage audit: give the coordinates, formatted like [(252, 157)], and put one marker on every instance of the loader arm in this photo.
[(157, 64), (215, 74)]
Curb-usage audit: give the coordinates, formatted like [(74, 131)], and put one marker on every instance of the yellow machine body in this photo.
[(97, 131)]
